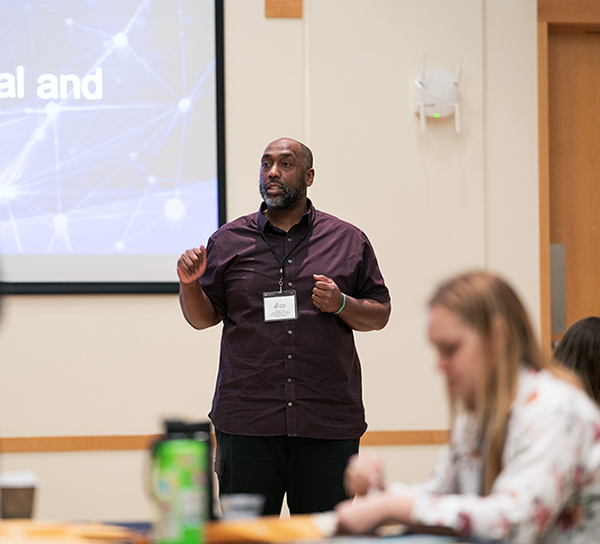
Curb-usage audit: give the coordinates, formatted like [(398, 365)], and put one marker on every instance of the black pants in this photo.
[(309, 470)]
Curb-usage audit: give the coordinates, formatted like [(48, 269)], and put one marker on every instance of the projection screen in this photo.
[(111, 131)]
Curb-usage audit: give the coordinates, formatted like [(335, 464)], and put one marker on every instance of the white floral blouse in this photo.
[(548, 490)]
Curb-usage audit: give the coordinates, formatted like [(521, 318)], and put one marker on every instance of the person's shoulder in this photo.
[(236, 227), (329, 221), (324, 217), (543, 391)]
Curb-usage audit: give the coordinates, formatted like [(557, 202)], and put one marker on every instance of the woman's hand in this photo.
[(364, 514), (363, 473)]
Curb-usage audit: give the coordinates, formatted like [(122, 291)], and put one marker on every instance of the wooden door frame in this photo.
[(552, 14)]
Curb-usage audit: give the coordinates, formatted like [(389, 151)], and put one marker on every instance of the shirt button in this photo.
[(289, 284), (289, 380), (289, 356), (289, 239), (290, 261), (289, 404), (289, 332)]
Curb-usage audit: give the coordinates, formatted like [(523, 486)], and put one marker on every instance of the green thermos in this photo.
[(181, 483)]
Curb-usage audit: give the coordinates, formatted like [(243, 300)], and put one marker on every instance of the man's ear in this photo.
[(309, 177)]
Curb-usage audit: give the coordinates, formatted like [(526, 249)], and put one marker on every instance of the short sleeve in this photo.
[(370, 283), (212, 279)]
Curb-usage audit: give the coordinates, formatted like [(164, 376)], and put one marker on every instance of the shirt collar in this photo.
[(307, 218)]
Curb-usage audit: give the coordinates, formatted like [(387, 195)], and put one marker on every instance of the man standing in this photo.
[(290, 284)]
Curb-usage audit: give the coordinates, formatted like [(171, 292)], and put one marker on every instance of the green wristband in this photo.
[(343, 305)]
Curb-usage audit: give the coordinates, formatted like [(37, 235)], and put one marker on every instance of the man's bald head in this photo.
[(304, 152)]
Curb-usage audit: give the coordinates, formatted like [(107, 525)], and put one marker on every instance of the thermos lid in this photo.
[(203, 426), (173, 426)]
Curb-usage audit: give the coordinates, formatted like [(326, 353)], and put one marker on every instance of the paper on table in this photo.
[(272, 529), (44, 532)]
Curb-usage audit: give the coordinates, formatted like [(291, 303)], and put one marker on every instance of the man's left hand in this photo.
[(326, 294)]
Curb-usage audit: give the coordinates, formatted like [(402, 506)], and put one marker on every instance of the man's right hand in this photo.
[(192, 265), (196, 306)]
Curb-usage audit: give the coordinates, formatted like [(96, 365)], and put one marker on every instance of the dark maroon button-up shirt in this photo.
[(298, 377)]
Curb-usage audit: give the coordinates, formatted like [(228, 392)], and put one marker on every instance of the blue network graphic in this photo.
[(107, 127)]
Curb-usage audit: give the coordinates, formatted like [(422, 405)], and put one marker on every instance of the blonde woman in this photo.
[(523, 462)]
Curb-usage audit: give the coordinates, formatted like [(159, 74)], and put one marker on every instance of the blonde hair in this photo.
[(489, 305)]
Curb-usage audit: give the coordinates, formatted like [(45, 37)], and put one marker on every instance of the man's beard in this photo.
[(285, 200)]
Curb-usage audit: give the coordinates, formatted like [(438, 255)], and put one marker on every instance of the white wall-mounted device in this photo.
[(436, 94)]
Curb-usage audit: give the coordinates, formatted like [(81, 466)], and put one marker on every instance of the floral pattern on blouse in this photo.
[(548, 490)]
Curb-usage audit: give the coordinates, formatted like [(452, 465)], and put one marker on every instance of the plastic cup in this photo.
[(17, 494), (242, 505)]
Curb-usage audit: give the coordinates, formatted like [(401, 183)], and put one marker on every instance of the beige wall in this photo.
[(432, 204)]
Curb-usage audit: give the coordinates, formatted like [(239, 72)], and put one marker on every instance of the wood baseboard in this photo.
[(405, 438), (283, 8), (40, 444)]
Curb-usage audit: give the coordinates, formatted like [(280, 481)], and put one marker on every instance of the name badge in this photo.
[(280, 306)]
